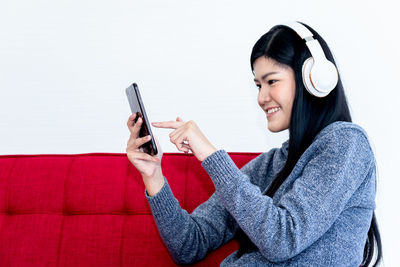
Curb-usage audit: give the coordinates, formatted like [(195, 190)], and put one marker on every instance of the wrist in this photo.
[(154, 183), (211, 151)]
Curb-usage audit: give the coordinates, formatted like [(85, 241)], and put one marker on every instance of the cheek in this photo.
[(283, 97), (279, 94)]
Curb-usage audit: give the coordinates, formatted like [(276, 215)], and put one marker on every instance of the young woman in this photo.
[(308, 203)]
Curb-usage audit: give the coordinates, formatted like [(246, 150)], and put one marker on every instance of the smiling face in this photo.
[(276, 93)]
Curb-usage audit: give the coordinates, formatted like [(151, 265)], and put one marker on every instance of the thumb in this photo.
[(179, 119)]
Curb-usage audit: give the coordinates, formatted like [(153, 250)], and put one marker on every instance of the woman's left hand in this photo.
[(187, 136)]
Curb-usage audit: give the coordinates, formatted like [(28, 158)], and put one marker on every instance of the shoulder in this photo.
[(343, 136), (340, 127)]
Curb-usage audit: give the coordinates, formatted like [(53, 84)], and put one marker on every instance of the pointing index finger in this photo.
[(167, 124)]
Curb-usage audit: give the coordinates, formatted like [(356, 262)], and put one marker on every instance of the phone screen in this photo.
[(136, 104)]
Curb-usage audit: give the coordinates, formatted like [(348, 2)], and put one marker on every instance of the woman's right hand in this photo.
[(147, 165)]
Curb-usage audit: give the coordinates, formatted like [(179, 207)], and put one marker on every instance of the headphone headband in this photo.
[(320, 76), (302, 31), (312, 44)]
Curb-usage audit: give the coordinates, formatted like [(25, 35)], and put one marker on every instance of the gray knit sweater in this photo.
[(319, 216)]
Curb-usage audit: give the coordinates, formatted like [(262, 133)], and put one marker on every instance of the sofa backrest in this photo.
[(90, 209)]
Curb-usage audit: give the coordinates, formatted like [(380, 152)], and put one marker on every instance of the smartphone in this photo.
[(136, 104)]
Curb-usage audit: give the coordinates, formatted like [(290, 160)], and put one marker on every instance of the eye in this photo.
[(258, 86), (271, 81)]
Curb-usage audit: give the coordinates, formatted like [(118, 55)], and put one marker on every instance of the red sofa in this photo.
[(90, 209)]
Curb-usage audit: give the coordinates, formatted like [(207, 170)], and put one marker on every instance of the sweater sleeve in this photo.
[(189, 237), (338, 165)]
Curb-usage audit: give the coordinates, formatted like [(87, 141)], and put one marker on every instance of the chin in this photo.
[(276, 129)]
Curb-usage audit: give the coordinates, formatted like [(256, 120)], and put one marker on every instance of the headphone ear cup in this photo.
[(314, 75), (324, 76), (306, 74)]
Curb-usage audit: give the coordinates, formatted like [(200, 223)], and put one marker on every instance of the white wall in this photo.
[(64, 66)]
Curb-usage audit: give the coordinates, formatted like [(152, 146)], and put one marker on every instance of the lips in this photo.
[(272, 109)]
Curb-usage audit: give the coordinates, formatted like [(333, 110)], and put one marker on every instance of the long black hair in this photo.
[(310, 114)]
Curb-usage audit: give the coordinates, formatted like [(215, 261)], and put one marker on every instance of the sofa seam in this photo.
[(67, 178), (122, 241), (8, 187)]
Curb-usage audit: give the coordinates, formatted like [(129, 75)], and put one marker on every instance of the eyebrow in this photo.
[(266, 75)]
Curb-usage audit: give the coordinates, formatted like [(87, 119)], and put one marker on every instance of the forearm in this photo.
[(180, 233)]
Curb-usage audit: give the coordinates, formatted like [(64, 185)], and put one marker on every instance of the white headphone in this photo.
[(320, 75)]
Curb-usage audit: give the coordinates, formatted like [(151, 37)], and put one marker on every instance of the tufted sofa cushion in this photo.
[(90, 209)]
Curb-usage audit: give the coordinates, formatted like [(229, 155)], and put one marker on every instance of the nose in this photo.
[(263, 95)]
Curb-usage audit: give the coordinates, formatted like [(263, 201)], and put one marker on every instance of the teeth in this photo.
[(269, 111)]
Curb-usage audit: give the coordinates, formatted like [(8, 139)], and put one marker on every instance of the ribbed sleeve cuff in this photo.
[(221, 168), (164, 202)]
